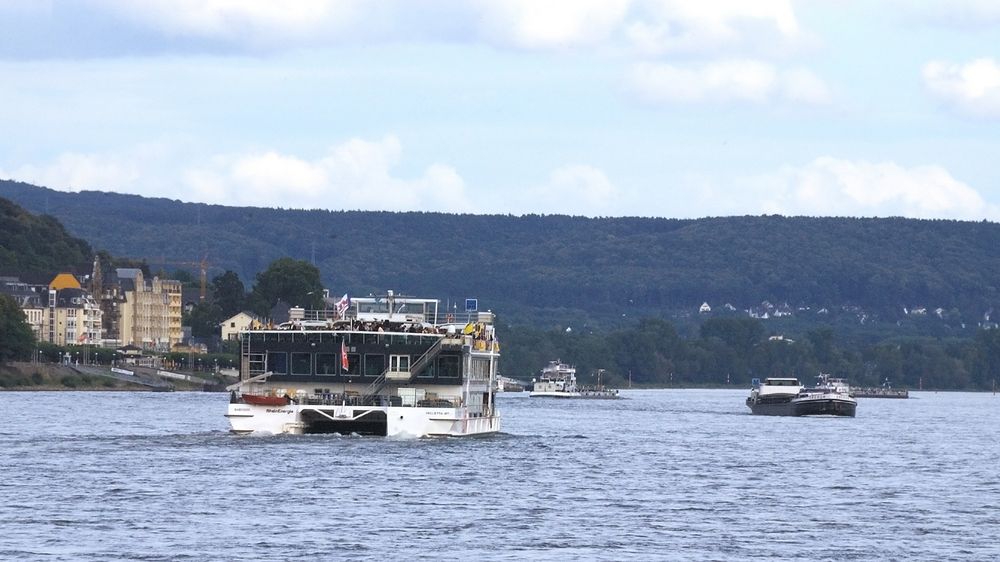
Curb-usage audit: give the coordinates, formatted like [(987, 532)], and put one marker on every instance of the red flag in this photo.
[(343, 355)]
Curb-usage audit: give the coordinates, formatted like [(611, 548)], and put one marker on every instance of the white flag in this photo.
[(343, 304)]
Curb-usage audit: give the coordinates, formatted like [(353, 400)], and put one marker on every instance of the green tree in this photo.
[(229, 293), (742, 334), (37, 243), (204, 319), (987, 362), (294, 281), (16, 339)]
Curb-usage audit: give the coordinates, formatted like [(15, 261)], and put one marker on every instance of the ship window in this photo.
[(277, 363), (353, 364), (399, 363), (326, 363), (429, 371), (301, 364), (374, 364), (447, 366)]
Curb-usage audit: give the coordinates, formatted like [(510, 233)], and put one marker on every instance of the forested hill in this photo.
[(38, 244), (561, 267)]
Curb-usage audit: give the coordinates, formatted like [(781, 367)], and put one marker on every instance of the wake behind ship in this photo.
[(384, 366)]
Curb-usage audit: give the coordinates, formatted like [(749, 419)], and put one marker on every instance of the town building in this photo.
[(61, 312), (148, 312), (74, 317), (232, 326)]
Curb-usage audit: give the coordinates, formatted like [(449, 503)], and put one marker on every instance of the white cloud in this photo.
[(354, 175), (835, 187), (651, 27), (546, 24), (961, 14), (75, 171), (253, 22), (575, 189), (669, 26), (973, 87), (725, 81), (803, 86)]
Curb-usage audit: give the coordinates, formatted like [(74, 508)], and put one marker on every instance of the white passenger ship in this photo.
[(386, 366), (558, 380)]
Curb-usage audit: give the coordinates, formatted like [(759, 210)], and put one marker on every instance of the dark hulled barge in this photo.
[(787, 397)]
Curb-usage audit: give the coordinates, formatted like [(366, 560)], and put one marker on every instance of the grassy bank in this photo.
[(47, 376)]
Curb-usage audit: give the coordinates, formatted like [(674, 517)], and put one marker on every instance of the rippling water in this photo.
[(686, 475)]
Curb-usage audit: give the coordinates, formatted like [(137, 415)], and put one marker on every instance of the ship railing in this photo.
[(424, 360), (354, 399), (354, 337), (376, 386), (328, 314)]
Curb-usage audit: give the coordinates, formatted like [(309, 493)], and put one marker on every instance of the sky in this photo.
[(662, 108)]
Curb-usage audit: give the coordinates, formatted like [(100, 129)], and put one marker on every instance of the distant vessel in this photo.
[(558, 380), (787, 397), (507, 384), (884, 391), (384, 365)]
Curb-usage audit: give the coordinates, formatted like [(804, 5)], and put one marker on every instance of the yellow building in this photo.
[(73, 318), (150, 311)]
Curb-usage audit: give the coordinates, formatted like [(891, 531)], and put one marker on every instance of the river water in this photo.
[(659, 475)]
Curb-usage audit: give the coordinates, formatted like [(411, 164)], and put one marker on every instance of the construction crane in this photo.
[(202, 266)]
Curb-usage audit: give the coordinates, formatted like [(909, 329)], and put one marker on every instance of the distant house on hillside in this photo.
[(782, 311), (704, 308)]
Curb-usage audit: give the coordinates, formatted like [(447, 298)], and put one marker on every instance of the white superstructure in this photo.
[(556, 380)]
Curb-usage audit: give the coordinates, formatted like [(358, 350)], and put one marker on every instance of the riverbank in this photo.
[(52, 376)]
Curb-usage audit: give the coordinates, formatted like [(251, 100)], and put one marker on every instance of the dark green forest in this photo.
[(870, 299), (732, 351), (560, 270), (38, 244)]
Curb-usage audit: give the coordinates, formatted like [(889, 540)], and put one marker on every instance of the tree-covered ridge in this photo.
[(733, 351), (559, 268), (30, 243)]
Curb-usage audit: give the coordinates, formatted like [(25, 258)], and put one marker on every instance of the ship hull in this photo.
[(591, 395), (804, 407), (825, 407), (391, 421)]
